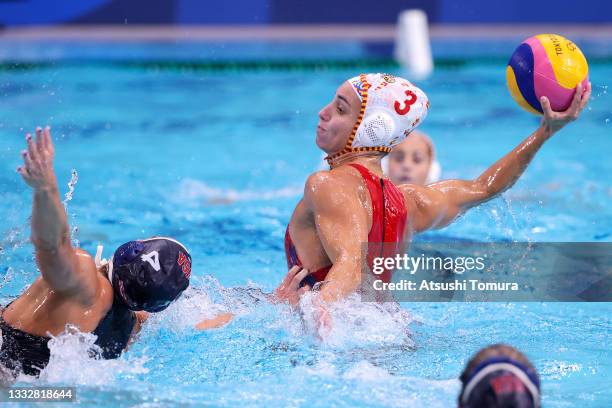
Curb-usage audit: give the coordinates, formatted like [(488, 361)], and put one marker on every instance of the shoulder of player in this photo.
[(330, 181), (94, 286), (321, 186), (85, 261), (318, 182)]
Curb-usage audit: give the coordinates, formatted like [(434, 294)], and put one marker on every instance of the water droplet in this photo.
[(74, 178)]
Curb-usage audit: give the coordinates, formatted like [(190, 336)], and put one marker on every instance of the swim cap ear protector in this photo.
[(500, 382), (391, 108), (150, 274)]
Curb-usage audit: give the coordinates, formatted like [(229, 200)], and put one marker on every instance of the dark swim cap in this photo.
[(150, 274), (500, 382)]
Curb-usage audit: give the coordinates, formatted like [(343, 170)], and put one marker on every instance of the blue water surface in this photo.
[(218, 161)]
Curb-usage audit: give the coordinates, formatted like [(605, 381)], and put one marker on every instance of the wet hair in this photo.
[(499, 376), (495, 350)]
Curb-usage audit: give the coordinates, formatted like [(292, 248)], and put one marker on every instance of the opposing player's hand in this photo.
[(37, 169), (553, 121), (289, 290)]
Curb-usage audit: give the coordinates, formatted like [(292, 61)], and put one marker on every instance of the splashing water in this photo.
[(360, 324), (14, 240), (75, 360), (355, 323), (74, 178), (7, 277), (267, 356)]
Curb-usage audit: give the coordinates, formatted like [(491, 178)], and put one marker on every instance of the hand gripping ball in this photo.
[(546, 65)]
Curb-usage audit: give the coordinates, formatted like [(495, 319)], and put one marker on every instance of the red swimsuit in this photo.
[(388, 224)]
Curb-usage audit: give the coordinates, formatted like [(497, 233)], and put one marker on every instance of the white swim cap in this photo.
[(391, 108)]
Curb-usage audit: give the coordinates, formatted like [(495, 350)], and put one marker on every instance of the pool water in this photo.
[(218, 160)]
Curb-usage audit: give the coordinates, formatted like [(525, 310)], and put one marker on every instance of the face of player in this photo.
[(409, 161), (337, 119)]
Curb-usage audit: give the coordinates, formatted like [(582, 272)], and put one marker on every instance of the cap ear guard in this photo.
[(375, 130)]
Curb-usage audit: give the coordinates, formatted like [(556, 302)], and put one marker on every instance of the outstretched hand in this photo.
[(289, 290), (553, 121), (37, 170)]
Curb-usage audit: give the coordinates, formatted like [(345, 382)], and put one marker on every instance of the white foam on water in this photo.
[(558, 369), (373, 385), (196, 191), (193, 306), (358, 324), (366, 371), (206, 298), (7, 277), (75, 360), (323, 368), (355, 323), (391, 390)]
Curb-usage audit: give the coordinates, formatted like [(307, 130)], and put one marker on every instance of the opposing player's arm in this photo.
[(342, 226), (60, 264), (216, 322), (436, 205)]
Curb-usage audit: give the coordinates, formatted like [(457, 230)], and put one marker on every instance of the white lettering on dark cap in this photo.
[(152, 258)]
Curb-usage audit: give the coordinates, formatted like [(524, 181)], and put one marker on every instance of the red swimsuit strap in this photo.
[(383, 190), (373, 184), (388, 207), (388, 218)]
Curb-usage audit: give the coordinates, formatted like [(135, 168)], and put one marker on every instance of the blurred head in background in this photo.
[(499, 376), (412, 161)]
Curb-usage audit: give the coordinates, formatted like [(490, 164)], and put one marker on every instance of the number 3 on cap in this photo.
[(412, 98)]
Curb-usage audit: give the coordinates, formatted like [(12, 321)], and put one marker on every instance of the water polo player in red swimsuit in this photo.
[(352, 203)]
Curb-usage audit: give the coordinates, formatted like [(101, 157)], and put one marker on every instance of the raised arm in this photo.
[(438, 204), (57, 260)]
